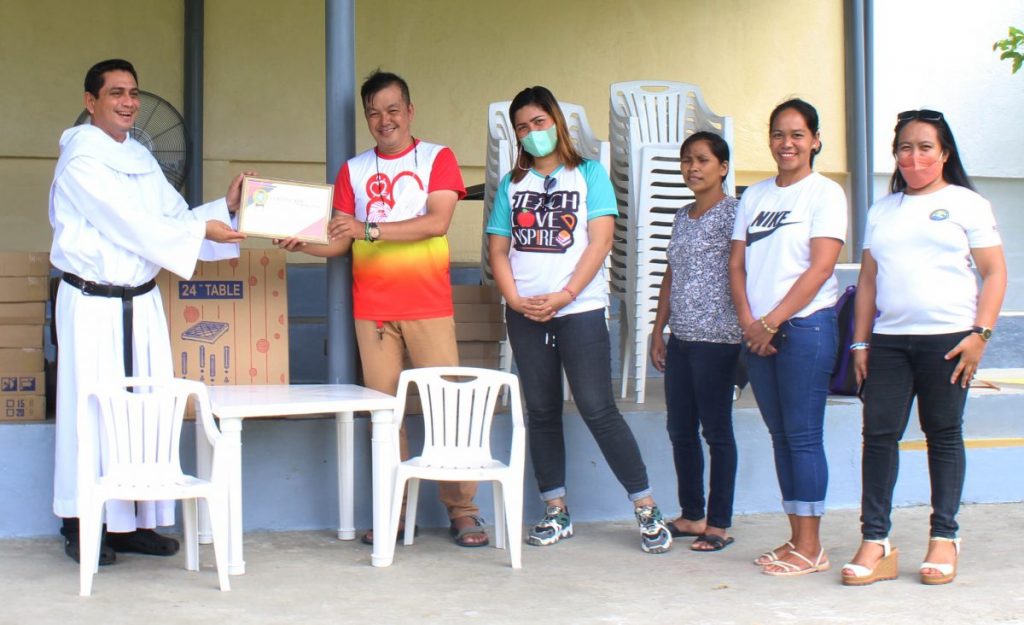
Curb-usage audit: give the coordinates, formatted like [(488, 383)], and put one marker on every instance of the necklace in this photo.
[(415, 157)]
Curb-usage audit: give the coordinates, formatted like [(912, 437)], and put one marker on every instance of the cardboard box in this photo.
[(483, 363), (22, 408), (21, 336), (479, 349), (30, 382), (475, 294), (229, 322), (24, 289), (479, 331), (23, 313), (24, 264), (479, 354), (21, 359), (476, 313), (479, 324)]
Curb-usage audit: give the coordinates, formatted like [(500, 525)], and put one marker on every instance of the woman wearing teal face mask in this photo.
[(550, 231)]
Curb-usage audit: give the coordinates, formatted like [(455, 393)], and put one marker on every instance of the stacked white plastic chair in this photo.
[(501, 157), (458, 414), (139, 436), (648, 121)]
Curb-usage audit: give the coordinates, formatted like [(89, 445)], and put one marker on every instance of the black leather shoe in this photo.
[(71, 548), (143, 541)]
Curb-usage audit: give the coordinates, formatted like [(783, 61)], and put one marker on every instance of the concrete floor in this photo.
[(599, 576)]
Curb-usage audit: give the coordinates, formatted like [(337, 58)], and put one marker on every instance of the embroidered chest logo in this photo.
[(544, 222), (394, 200), (765, 224), (940, 214)]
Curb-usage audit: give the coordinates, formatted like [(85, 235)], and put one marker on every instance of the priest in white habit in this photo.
[(116, 222)]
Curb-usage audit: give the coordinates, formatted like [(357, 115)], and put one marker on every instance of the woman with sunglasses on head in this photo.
[(788, 234), (699, 361), (550, 231), (932, 326)]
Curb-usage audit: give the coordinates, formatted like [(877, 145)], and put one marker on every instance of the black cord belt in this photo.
[(125, 294)]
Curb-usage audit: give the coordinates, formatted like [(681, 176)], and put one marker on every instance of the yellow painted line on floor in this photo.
[(973, 443)]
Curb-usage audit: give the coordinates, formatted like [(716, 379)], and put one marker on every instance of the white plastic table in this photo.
[(233, 404)]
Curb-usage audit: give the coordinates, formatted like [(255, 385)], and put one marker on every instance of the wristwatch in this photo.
[(986, 333), (373, 232)]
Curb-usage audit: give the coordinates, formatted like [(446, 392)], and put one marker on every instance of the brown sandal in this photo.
[(459, 535)]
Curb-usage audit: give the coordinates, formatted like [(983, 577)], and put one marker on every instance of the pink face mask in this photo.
[(921, 171)]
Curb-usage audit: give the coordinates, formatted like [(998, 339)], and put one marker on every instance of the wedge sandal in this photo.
[(886, 568)]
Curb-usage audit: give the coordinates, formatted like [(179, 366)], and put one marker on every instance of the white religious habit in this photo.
[(116, 221)]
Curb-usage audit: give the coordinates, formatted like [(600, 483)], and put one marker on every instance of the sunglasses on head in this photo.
[(925, 115)]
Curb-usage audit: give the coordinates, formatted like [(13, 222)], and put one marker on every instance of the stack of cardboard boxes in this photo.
[(24, 279), (479, 325)]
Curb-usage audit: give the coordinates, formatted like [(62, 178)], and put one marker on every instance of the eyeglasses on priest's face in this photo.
[(926, 115)]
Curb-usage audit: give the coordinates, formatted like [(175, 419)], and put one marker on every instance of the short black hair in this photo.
[(94, 78), (807, 111), (378, 81), (717, 144)]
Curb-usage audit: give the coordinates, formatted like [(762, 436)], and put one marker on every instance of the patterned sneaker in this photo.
[(555, 526), (654, 534)]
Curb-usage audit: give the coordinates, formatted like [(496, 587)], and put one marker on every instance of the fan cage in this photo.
[(161, 128)]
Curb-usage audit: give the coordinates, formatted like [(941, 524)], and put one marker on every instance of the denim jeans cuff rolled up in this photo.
[(804, 508), (634, 497), (554, 493)]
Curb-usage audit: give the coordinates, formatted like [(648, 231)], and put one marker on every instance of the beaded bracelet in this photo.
[(856, 347), (768, 328), (571, 293)]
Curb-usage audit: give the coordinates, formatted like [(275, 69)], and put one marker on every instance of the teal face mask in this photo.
[(540, 143)]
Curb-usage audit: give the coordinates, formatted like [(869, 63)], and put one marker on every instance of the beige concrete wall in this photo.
[(746, 56), (47, 46), (265, 65)]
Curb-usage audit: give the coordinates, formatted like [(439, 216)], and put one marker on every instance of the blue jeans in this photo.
[(791, 388), (578, 343), (900, 367), (699, 380)]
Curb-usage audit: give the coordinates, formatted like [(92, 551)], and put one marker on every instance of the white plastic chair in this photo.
[(138, 434), (458, 411), (646, 113), (662, 193)]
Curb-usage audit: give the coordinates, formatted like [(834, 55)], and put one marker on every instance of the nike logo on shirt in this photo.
[(766, 223)]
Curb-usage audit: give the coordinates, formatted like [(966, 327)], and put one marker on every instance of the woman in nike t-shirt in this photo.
[(788, 234)]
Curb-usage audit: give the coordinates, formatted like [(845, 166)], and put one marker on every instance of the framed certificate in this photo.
[(281, 209)]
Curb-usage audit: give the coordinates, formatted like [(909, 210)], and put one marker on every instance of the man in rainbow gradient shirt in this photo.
[(393, 205)]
